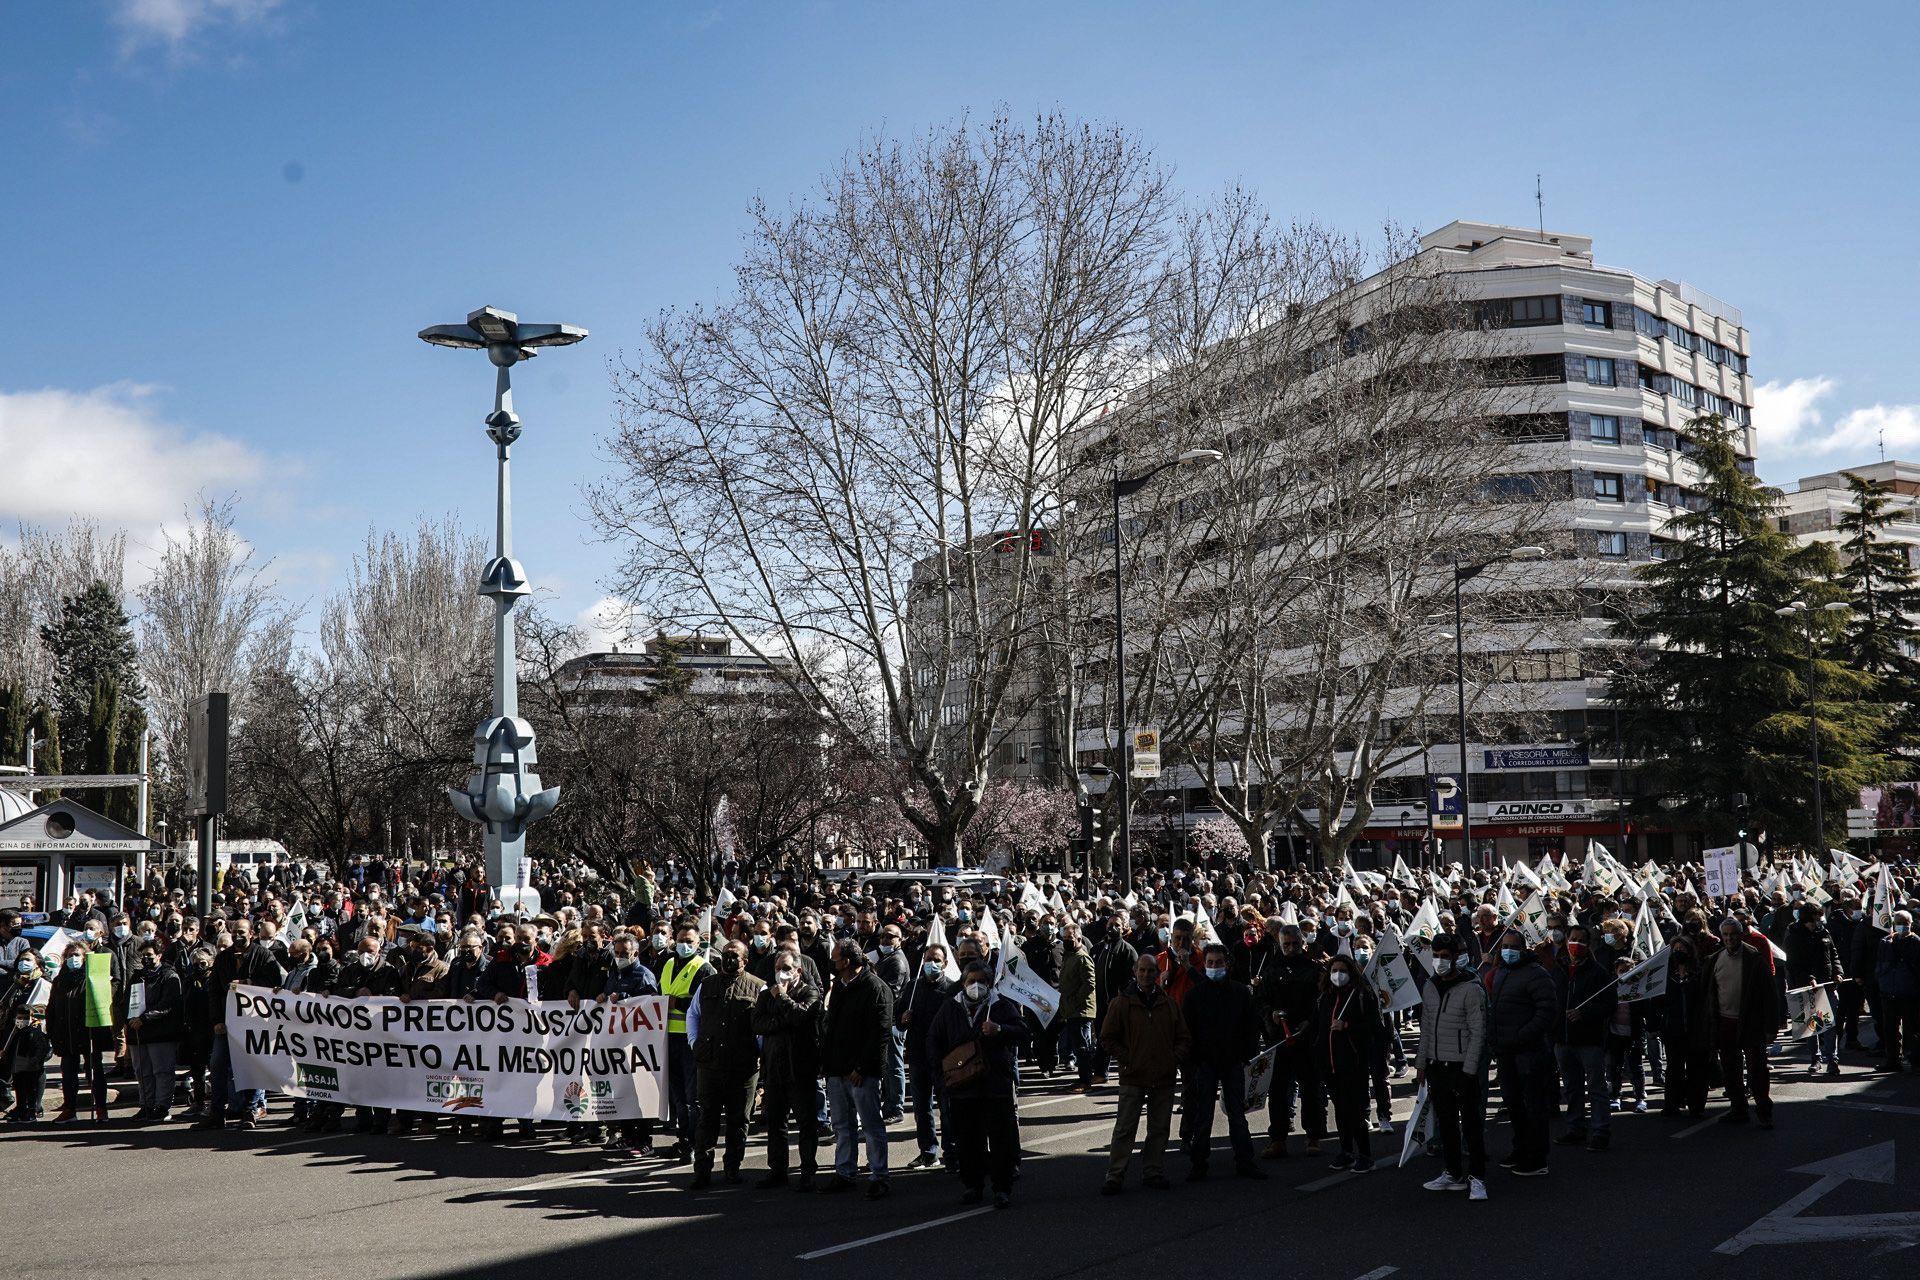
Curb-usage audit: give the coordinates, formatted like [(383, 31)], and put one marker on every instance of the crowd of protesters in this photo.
[(815, 1012)]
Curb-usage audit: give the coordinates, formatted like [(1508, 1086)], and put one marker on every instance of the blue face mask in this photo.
[(1216, 974), (1510, 954), (931, 969)]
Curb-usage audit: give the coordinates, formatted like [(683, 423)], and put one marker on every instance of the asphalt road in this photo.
[(89, 1201)]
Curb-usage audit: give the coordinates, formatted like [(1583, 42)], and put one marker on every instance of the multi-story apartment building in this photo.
[(709, 662), (1614, 365), (1813, 509)]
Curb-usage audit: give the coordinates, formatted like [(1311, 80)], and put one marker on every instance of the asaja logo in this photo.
[(455, 1093), (321, 1079)]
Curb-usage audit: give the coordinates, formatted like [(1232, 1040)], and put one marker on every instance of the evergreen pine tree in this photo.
[(1879, 582), (96, 681), (1718, 702)]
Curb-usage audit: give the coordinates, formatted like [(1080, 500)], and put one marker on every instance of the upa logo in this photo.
[(315, 1079), (581, 1095), (456, 1093)]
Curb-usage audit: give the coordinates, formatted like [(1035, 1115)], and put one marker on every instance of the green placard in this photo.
[(99, 989)]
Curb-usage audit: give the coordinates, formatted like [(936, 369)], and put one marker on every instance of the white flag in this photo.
[(1884, 900), (1389, 975), (989, 932), (1289, 914), (1646, 932), (937, 937), (1808, 1012), (1531, 919), (1203, 931), (1646, 980), (1401, 872), (1503, 903), (1524, 874), (1019, 984), (1030, 898)]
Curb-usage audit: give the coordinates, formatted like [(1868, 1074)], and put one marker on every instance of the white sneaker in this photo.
[(1445, 1182), (1383, 1125), (1476, 1189)]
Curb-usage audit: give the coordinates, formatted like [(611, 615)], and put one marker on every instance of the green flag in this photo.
[(99, 989)]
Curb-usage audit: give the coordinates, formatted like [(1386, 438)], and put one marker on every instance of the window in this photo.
[(1613, 546), (1607, 487), (1596, 313), (1600, 371), (1534, 310), (1604, 428)]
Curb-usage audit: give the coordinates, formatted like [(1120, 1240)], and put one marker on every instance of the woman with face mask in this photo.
[(930, 990), (1453, 1056), (787, 1018), (1347, 1019), (81, 1047), (985, 1131)]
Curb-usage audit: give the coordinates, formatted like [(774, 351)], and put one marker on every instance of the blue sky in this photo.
[(226, 219)]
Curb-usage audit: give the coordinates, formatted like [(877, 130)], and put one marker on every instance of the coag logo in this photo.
[(454, 1093), (317, 1079)]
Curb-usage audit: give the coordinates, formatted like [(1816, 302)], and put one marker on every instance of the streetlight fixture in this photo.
[(1804, 611), (1461, 573), (504, 793), (1122, 487)]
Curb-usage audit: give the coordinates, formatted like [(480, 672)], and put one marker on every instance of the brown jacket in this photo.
[(427, 982), (1150, 1040)]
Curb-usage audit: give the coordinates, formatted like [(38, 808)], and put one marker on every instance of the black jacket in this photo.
[(924, 997), (1222, 1021), (383, 981), (726, 1041), (789, 1029), (1112, 972), (1524, 1006), (1580, 992), (1346, 1048), (1289, 986), (954, 1025), (1812, 955), (859, 1024), (163, 1020)]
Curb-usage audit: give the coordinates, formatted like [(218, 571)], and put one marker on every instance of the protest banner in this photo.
[(1645, 980), (513, 1059)]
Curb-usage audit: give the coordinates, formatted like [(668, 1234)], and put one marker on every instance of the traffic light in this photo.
[(1740, 815)]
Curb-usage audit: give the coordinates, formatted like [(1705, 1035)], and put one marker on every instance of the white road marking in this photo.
[(1323, 1183), (1785, 1225), (1885, 1107), (584, 1178), (1067, 1135), (1379, 1273), (893, 1235), (1692, 1129)]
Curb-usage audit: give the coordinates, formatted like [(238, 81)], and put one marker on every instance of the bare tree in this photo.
[(203, 614), (844, 464), (41, 572)]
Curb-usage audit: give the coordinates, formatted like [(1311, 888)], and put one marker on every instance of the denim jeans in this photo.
[(929, 1105), (1826, 1044), (228, 1100), (856, 1117), (1076, 1046), (893, 1084), (1583, 1086)]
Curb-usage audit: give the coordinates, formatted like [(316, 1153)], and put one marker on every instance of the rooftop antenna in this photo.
[(1540, 207)]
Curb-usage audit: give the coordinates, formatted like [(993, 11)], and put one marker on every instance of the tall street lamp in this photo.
[(1804, 611), (1122, 487), (1461, 574), (504, 793)]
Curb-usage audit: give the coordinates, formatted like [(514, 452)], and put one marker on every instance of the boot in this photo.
[(66, 1116), (1276, 1149)]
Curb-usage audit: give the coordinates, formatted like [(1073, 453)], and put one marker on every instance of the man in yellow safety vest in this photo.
[(678, 981)]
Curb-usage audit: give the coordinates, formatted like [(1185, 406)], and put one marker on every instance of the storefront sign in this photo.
[(1570, 756)]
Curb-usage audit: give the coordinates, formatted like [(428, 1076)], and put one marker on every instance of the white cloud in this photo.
[(1784, 411), (175, 22), (106, 454), (609, 621), (1788, 418)]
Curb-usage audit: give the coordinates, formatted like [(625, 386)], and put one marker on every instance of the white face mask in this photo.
[(976, 991), (1441, 968), (1339, 977)]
